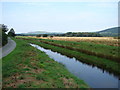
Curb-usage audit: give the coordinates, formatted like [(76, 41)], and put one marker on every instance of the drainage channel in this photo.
[(93, 76)]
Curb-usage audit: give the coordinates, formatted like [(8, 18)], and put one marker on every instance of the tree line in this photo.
[(80, 34), (72, 34)]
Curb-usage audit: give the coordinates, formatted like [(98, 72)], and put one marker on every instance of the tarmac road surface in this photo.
[(8, 48)]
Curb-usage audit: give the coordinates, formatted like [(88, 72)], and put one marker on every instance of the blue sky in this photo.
[(60, 16)]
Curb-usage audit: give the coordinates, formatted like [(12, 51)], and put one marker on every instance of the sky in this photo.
[(60, 16)]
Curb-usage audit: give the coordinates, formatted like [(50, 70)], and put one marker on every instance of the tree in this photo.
[(3, 35), (11, 33), (3, 28), (45, 35), (39, 35)]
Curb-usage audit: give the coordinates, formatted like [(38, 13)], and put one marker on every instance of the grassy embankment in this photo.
[(99, 50), (28, 67), (110, 52), (109, 65)]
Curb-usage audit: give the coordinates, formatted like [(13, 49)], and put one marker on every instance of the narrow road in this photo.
[(9, 47)]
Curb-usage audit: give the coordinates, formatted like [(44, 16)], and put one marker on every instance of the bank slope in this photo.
[(27, 67)]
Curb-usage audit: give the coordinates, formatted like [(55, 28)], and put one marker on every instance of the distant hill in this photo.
[(110, 32), (37, 32), (40, 32)]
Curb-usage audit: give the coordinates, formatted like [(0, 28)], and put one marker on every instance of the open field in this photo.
[(72, 49), (27, 67), (97, 40)]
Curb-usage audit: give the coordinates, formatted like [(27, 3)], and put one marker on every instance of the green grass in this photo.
[(110, 52), (99, 50), (111, 66), (28, 67)]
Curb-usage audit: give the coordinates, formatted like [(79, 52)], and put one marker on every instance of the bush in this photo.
[(39, 35), (117, 37), (51, 36), (11, 33)]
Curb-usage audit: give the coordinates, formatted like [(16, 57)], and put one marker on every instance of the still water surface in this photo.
[(93, 76)]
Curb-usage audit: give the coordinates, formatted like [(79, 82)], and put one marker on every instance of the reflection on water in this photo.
[(93, 76)]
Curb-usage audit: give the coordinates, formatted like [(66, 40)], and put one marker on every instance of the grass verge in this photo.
[(28, 67)]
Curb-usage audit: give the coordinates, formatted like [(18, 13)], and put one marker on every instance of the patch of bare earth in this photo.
[(27, 78), (68, 83)]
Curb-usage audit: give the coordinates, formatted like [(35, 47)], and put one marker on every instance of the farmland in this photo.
[(97, 40), (85, 51)]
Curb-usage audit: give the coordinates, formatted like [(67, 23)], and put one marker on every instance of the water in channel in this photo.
[(93, 76)]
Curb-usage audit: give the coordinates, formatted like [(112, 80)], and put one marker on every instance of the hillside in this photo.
[(110, 32)]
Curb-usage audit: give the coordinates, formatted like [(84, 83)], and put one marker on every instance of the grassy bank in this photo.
[(105, 64), (110, 52), (99, 50), (27, 67)]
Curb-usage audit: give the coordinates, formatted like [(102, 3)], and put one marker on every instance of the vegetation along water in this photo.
[(91, 59), (28, 67)]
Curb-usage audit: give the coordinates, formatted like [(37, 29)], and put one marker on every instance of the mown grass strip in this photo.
[(105, 64), (28, 67)]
